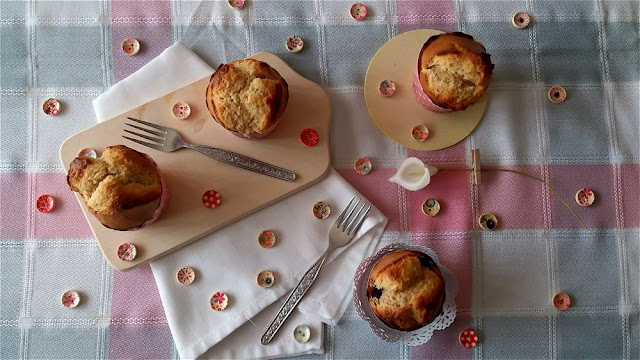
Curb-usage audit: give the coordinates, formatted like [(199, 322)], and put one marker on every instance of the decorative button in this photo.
[(266, 279), (488, 221), (219, 301), (88, 152), (561, 301), (309, 137), (521, 20), (267, 239), (181, 110), (431, 207), (186, 275), (358, 11), (70, 299), (211, 199), (45, 203), (302, 333), (362, 166), (130, 46), (294, 44), (127, 252), (420, 133), (387, 88), (585, 197), (321, 210), (236, 4), (557, 94), (51, 107), (468, 338)]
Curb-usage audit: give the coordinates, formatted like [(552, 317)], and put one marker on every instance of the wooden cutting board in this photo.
[(189, 174)]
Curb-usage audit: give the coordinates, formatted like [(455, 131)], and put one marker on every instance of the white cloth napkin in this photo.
[(230, 259)]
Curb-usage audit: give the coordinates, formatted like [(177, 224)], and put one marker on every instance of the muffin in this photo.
[(406, 290), (247, 97), (453, 71), (123, 188)]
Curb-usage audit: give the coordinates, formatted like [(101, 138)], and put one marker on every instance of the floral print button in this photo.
[(309, 137), (321, 210), (181, 110), (585, 197), (431, 207), (267, 239), (236, 4), (362, 166), (561, 301), (488, 221), (130, 46), (45, 203), (557, 94), (127, 252), (387, 88), (70, 299), (186, 275), (219, 301), (88, 152), (51, 107), (211, 199), (266, 279), (294, 44), (302, 333), (521, 20), (420, 133), (358, 11), (468, 338)]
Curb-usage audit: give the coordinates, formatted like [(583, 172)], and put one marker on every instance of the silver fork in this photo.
[(168, 140), (341, 233)]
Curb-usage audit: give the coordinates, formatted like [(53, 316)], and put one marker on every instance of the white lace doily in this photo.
[(384, 332)]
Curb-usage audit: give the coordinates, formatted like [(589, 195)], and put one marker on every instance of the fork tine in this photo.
[(353, 220), (355, 230), (153, 146), (339, 220), (162, 128), (159, 134), (159, 141), (343, 224)]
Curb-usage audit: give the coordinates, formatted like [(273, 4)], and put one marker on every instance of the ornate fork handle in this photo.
[(292, 301), (245, 162)]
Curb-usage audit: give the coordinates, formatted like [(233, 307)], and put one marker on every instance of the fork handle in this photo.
[(292, 301), (245, 162)]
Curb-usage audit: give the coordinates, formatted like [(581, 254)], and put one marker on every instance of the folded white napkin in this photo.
[(230, 259)]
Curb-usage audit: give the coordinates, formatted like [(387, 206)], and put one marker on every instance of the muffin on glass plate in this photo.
[(247, 97), (406, 290), (123, 188), (453, 72)]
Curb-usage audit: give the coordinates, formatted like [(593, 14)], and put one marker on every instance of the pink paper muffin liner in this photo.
[(164, 198), (423, 99)]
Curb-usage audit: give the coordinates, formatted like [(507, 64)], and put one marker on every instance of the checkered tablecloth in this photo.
[(71, 51)]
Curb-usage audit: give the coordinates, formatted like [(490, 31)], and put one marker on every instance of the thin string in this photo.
[(530, 177)]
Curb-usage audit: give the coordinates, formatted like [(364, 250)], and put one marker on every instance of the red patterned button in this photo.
[(70, 299), (294, 44), (521, 20), (130, 46), (468, 338), (211, 199), (236, 4), (267, 239), (321, 210), (420, 133), (51, 107), (561, 301), (127, 252), (186, 275), (88, 152), (309, 137), (219, 301), (181, 110), (585, 197), (387, 88), (358, 11), (266, 279), (45, 203), (362, 166)]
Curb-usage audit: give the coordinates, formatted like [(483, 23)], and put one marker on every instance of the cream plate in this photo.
[(396, 116)]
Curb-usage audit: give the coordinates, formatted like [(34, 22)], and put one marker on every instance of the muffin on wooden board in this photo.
[(123, 188), (247, 97), (406, 290), (454, 70)]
